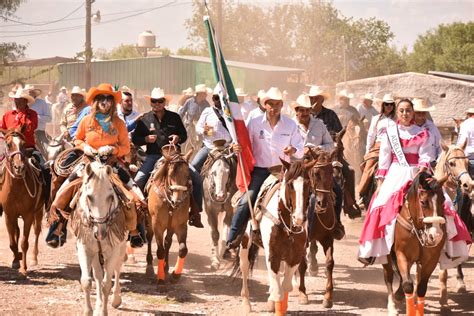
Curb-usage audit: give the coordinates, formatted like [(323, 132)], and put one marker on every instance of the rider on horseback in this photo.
[(100, 133), (466, 133), (71, 111)]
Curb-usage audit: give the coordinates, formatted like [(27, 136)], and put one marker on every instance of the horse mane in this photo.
[(426, 182), (162, 172), (296, 169)]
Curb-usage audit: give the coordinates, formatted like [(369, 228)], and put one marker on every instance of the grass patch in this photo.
[(153, 299)]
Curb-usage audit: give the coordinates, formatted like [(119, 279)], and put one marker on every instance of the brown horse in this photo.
[(420, 235), (321, 176), (168, 204), (21, 196)]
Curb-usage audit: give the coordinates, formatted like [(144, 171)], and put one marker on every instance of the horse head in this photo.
[(454, 163), (15, 152), (321, 177), (295, 190), (55, 147), (98, 199), (220, 175)]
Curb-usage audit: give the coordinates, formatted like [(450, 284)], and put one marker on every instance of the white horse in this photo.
[(99, 226), (283, 237), (219, 187)]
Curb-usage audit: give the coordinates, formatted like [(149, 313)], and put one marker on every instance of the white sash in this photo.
[(394, 139)]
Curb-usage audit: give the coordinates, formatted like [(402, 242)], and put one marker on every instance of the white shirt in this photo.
[(316, 135), (209, 117), (44, 113), (246, 108), (466, 131), (378, 127), (268, 143), (254, 113), (435, 138), (368, 113)]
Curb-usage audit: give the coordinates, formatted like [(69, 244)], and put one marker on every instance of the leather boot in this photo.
[(195, 215)]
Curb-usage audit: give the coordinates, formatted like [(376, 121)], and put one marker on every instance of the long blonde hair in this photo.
[(112, 111)]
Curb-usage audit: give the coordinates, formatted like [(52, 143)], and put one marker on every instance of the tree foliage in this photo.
[(10, 51), (448, 48), (8, 7)]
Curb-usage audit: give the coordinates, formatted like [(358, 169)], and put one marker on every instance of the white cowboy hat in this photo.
[(272, 94), (314, 91), (302, 101), (368, 96), (158, 93), (30, 87), (345, 94), (240, 92), (78, 90), (388, 98), (260, 95), (21, 93), (422, 105), (217, 89), (189, 91), (470, 111), (201, 88)]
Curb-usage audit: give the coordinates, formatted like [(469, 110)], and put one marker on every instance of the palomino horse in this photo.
[(324, 221), (22, 196), (454, 163), (99, 225), (419, 238), (283, 236), (168, 204), (219, 186)]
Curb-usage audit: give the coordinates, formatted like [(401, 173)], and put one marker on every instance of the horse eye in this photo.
[(452, 164)]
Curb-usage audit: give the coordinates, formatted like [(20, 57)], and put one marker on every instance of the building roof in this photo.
[(41, 62), (451, 75)]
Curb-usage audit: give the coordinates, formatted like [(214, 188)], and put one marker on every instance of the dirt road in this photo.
[(53, 286)]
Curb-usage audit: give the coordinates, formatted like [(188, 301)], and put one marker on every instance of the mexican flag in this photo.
[(231, 108)]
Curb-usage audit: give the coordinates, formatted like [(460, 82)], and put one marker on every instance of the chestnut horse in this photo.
[(168, 205), (283, 236), (324, 221), (420, 235), (22, 196)]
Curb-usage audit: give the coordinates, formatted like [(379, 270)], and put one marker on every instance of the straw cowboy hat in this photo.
[(470, 111), (368, 96), (30, 87), (78, 90), (189, 91), (103, 88), (201, 88), (240, 92), (63, 88), (422, 105), (302, 101), (314, 91), (272, 94), (21, 93), (345, 94), (388, 98), (260, 95), (158, 93)]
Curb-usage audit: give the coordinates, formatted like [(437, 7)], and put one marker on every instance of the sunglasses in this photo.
[(273, 104), (104, 97), (161, 100), (389, 104), (215, 98)]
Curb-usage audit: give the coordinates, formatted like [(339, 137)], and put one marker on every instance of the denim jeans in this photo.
[(196, 179), (143, 174), (242, 214), (200, 158)]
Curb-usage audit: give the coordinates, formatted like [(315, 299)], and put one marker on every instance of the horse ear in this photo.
[(187, 156), (88, 170), (109, 170), (286, 165), (444, 146), (334, 155)]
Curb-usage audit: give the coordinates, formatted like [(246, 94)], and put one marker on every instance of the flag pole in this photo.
[(223, 99)]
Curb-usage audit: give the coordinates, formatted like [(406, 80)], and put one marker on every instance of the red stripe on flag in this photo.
[(247, 156)]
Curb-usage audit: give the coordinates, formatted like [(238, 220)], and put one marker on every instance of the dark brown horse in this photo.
[(168, 204), (22, 196), (321, 176), (420, 235)]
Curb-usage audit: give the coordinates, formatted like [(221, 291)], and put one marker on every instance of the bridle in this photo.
[(283, 204), (451, 176), (165, 189), (319, 209), (225, 155)]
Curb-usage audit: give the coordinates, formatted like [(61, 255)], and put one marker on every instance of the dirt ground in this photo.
[(52, 287)]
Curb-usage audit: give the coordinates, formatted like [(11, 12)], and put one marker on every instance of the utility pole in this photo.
[(219, 21), (88, 46), (344, 56)]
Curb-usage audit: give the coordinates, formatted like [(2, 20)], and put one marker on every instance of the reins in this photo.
[(318, 210)]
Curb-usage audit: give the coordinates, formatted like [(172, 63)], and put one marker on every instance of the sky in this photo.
[(165, 18)]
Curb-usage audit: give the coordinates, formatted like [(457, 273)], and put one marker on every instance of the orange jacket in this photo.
[(94, 136)]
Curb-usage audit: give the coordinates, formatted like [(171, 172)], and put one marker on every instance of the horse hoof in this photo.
[(175, 277), (161, 282), (327, 303), (34, 262), (461, 288), (303, 299), (117, 302), (313, 272), (16, 264), (247, 308), (214, 266), (149, 270), (270, 306)]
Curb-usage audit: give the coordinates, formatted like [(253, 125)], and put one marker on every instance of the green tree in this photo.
[(124, 51), (10, 51), (447, 48)]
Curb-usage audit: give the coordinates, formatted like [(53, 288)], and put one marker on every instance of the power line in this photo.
[(45, 23)]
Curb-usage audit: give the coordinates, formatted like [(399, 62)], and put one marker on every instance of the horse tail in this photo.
[(252, 257)]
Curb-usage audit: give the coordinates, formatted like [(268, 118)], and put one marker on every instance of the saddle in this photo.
[(369, 168), (269, 187)]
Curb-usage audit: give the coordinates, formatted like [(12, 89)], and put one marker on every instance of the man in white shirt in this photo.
[(259, 110), (422, 107), (126, 112), (273, 136), (44, 116), (366, 109), (193, 107), (466, 134), (245, 106)]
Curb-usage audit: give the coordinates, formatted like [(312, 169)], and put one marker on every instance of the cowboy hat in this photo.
[(63, 88), (422, 105), (272, 94), (30, 87), (388, 98), (21, 93), (345, 94), (103, 88), (368, 96), (189, 91), (302, 101), (78, 90), (260, 95), (314, 91), (201, 88), (240, 92), (158, 93), (217, 89), (470, 111)]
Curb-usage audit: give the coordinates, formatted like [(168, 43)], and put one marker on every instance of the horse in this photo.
[(99, 225), (419, 237), (168, 205), (283, 236), (22, 196), (55, 147), (454, 163), (324, 221), (219, 186)]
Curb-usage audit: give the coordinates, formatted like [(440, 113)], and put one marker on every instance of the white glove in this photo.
[(89, 151), (106, 150)]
